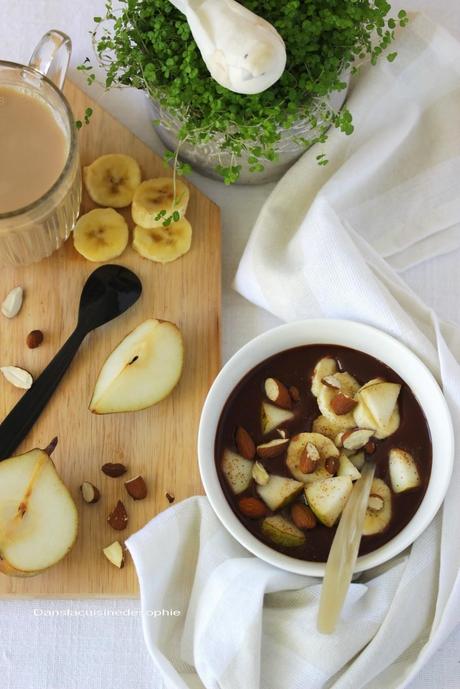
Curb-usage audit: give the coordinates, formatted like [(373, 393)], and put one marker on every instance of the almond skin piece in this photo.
[(118, 518), (89, 492), (370, 447), (342, 404), (244, 443), (332, 465), (302, 516), (114, 470), (309, 459), (252, 508), (34, 339), (273, 448), (136, 487), (278, 393)]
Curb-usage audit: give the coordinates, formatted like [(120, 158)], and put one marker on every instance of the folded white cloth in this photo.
[(388, 192)]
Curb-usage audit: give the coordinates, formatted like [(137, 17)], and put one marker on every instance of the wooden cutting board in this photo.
[(159, 442)]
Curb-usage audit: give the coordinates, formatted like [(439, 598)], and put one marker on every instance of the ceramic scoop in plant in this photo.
[(243, 52)]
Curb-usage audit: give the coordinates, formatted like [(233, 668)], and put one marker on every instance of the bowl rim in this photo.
[(324, 331)]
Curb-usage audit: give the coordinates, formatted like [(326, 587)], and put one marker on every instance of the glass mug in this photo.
[(33, 232)]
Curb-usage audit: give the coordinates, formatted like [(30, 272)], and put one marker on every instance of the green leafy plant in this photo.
[(148, 45)]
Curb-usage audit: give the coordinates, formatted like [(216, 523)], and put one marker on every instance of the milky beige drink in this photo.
[(33, 148), (40, 180)]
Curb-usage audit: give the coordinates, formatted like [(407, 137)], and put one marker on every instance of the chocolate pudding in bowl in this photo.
[(290, 422)]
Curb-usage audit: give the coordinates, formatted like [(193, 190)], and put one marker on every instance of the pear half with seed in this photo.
[(38, 517), (142, 370)]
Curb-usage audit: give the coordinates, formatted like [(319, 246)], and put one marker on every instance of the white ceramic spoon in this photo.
[(344, 552), (243, 52)]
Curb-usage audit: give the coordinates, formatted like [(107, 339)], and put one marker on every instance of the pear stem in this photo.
[(51, 447)]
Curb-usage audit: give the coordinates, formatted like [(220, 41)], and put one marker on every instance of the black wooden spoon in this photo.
[(109, 291)]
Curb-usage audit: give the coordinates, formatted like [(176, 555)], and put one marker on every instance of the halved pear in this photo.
[(278, 491), (347, 468), (328, 497), (142, 370), (38, 517), (377, 521), (325, 447), (282, 531), (271, 417), (381, 399), (404, 474), (237, 470)]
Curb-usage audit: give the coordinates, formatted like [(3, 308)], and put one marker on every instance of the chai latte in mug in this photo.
[(33, 148)]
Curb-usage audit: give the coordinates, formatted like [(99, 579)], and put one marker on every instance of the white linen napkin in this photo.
[(243, 623)]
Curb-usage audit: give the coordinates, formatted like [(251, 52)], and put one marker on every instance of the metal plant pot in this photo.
[(205, 157)]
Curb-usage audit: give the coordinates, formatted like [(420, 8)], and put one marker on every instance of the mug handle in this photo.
[(51, 56)]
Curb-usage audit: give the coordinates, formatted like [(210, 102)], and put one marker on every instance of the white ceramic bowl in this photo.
[(348, 334)]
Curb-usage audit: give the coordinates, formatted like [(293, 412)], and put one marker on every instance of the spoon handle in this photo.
[(23, 416), (344, 552)]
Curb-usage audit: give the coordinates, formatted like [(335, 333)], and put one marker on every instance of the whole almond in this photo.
[(118, 518), (89, 492), (273, 448), (136, 487), (34, 339), (342, 404), (302, 516), (244, 443), (114, 469), (278, 393), (309, 459), (332, 465), (252, 508)]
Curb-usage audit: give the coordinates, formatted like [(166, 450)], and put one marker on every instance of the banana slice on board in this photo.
[(101, 234), (154, 201), (112, 179), (163, 244)]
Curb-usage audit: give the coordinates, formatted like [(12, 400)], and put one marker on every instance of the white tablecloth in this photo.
[(99, 644)]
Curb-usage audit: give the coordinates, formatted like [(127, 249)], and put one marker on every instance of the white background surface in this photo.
[(99, 644)]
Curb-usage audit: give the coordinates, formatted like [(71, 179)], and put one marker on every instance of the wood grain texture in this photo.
[(160, 442)]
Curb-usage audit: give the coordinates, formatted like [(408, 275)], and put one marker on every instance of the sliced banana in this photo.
[(348, 386), (325, 447), (377, 521), (101, 234), (163, 244), (112, 179), (154, 201), (326, 427), (327, 366)]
